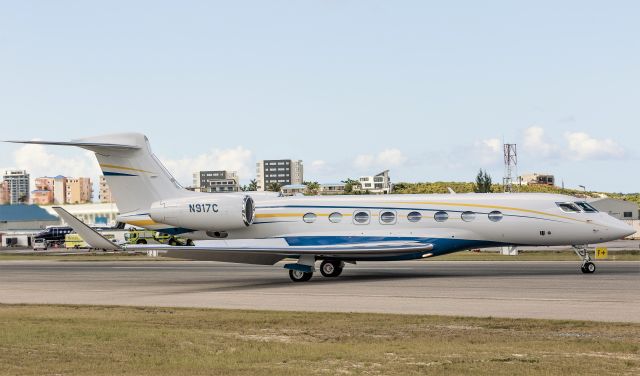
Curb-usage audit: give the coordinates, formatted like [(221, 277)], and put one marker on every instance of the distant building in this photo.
[(4, 192), (537, 178), (18, 186), (104, 195), (620, 209), (293, 189), (216, 181), (78, 190), (331, 189), (49, 190), (42, 197), (380, 183), (280, 171)]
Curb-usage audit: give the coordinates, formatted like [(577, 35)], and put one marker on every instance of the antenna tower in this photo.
[(510, 166)]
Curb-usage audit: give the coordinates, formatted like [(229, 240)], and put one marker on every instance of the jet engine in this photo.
[(208, 213)]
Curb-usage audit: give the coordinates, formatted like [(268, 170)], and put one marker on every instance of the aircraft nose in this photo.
[(622, 230)]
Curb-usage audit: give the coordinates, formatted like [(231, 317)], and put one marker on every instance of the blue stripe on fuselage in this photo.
[(441, 246)]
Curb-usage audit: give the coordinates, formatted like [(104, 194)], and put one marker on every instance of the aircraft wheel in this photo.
[(190, 243), (331, 268), (298, 276), (141, 241), (588, 268), (173, 242)]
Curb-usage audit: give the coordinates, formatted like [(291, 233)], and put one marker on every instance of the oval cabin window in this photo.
[(468, 216), (495, 216), (441, 216), (335, 217), (361, 217), (309, 218), (414, 217), (387, 217)]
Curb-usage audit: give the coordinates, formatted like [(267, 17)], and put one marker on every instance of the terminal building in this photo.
[(620, 209)]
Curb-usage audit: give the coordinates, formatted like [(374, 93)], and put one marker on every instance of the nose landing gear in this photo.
[(588, 266)]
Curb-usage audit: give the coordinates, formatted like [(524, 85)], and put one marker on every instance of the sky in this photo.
[(429, 90)]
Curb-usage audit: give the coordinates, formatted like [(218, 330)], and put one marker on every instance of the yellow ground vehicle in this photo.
[(75, 241), (153, 237)]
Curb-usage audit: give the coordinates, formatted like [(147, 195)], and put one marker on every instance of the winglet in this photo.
[(89, 235)]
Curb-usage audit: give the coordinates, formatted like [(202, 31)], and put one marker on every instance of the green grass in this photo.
[(74, 340)]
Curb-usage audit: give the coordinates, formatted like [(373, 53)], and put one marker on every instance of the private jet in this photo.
[(265, 228)]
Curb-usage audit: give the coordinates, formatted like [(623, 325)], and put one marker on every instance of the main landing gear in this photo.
[(588, 266), (303, 270)]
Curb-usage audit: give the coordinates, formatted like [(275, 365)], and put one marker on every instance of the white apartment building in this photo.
[(379, 183)]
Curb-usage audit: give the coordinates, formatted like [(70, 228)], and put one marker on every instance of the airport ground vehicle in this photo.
[(54, 235), (75, 240), (154, 237), (39, 244), (264, 228)]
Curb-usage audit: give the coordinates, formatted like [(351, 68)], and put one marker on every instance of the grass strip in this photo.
[(98, 340)]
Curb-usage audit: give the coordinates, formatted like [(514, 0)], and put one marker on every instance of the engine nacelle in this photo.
[(211, 212)]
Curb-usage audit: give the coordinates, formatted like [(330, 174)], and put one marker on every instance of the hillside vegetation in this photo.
[(466, 187)]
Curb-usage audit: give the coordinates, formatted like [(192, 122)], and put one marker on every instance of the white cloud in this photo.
[(387, 158), (39, 162), (488, 151), (536, 143), (582, 146), (235, 159)]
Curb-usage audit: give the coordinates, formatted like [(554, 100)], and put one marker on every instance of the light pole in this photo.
[(583, 188)]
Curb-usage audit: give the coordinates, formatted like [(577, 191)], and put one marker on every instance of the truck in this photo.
[(75, 241), (154, 237)]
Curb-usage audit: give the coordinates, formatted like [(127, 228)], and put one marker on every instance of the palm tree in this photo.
[(274, 187), (350, 184), (253, 185), (312, 187)]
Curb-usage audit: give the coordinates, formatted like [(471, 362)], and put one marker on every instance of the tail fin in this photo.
[(134, 174)]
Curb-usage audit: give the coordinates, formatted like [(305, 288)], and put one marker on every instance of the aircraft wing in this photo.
[(256, 251)]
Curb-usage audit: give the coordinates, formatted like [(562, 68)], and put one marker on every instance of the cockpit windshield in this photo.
[(568, 207), (586, 207)]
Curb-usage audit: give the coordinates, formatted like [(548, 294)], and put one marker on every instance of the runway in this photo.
[(555, 290)]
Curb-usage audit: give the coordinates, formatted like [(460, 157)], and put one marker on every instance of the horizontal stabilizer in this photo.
[(89, 235), (85, 145)]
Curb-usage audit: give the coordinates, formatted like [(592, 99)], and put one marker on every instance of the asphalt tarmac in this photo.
[(531, 289)]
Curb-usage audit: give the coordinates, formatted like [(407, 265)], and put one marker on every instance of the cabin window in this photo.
[(361, 217), (387, 217), (309, 218), (414, 216), (627, 215), (586, 207), (468, 216), (441, 216), (568, 207), (495, 216), (335, 217)]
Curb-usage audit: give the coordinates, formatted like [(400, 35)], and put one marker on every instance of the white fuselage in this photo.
[(451, 222)]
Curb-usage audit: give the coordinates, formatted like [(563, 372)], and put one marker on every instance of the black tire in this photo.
[(331, 269), (173, 242), (589, 268), (141, 241), (298, 276), (190, 243)]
